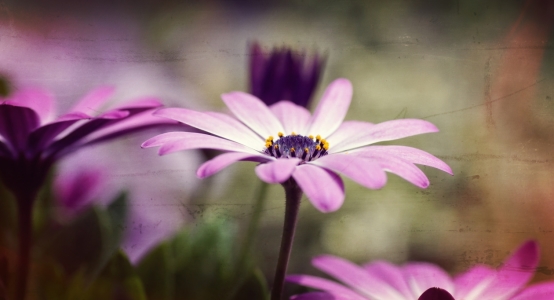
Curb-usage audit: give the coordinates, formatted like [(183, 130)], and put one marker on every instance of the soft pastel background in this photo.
[(480, 71)]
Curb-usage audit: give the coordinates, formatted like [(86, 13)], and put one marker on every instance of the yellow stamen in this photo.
[(293, 133), (311, 137), (270, 138), (326, 146), (268, 144), (306, 150), (280, 134), (323, 141), (276, 146), (317, 148), (292, 149), (318, 137)]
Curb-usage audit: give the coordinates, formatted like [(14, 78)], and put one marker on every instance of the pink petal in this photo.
[(363, 171), (253, 112), (16, 123), (209, 123), (471, 284), (325, 285), (294, 118), (177, 141), (387, 131), (277, 171), (410, 154), (515, 272), (332, 108), (355, 276), (324, 296), (90, 104), (323, 188), (42, 102), (348, 130), (391, 275), (398, 166), (224, 160), (422, 276), (541, 291), (146, 102)]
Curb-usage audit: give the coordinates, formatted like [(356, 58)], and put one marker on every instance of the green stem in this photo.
[(25, 221), (293, 195)]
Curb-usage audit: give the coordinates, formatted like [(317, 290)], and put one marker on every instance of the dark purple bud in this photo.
[(284, 74), (435, 294)]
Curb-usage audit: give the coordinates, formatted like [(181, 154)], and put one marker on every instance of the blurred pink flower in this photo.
[(34, 137), (381, 280), (75, 190), (313, 149)]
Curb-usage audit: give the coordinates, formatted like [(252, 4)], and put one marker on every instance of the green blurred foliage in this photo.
[(200, 263), (5, 86)]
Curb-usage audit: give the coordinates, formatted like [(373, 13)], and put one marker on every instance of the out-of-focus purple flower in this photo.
[(435, 293), (284, 74), (381, 280), (34, 136), (311, 149), (75, 190)]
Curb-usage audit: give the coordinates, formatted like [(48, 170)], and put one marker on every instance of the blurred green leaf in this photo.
[(5, 86), (200, 263)]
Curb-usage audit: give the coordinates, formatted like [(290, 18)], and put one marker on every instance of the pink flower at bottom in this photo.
[(381, 280)]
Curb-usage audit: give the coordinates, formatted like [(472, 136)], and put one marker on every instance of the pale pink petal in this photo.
[(356, 277), (277, 171), (212, 124), (324, 296), (422, 276), (41, 101), (222, 161), (398, 166), (366, 172), (177, 141), (253, 112), (325, 285), (471, 284), (348, 130), (332, 108), (515, 272), (323, 188), (91, 103), (294, 118), (410, 154), (387, 131), (391, 275), (541, 291)]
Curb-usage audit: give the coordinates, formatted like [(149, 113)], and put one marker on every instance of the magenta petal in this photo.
[(325, 285), (253, 112), (515, 272), (472, 283), (348, 130), (387, 131), (294, 118), (356, 277), (75, 189), (436, 294), (422, 276), (366, 172), (391, 275), (16, 123), (277, 171), (332, 108), (218, 126), (91, 103), (323, 188), (192, 140), (322, 296), (42, 102), (410, 154), (42, 136), (541, 291), (224, 160)]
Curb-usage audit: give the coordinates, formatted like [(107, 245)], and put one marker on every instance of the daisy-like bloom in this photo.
[(381, 280), (284, 74), (33, 137), (289, 143)]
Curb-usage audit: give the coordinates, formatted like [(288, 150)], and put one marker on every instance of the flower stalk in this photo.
[(293, 196), (25, 226)]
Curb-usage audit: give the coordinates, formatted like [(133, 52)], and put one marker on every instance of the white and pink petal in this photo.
[(332, 108), (323, 188)]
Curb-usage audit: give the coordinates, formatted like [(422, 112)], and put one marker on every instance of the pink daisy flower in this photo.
[(381, 280), (289, 142)]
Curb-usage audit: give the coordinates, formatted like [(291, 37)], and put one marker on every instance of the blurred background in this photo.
[(480, 71)]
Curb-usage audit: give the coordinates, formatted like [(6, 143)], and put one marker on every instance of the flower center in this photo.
[(304, 147)]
